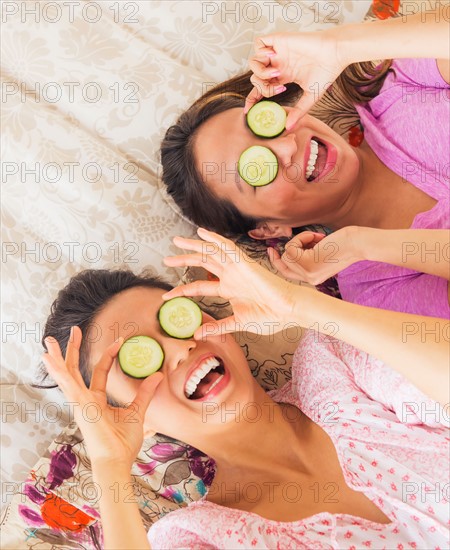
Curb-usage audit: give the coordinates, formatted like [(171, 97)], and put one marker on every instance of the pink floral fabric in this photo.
[(392, 443)]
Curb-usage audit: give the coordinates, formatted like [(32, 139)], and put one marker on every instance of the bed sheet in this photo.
[(88, 90)]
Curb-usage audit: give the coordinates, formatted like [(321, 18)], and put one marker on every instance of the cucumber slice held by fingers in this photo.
[(267, 119), (258, 166), (180, 317), (140, 356)]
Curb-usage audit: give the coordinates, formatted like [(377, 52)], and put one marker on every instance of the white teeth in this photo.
[(199, 373), (313, 154)]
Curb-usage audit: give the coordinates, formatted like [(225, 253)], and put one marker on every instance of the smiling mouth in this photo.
[(205, 378), (317, 159)]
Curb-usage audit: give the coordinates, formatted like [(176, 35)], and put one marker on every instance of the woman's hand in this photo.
[(311, 59), (261, 301), (111, 434), (314, 258)]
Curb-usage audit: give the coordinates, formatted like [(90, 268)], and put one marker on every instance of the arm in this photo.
[(416, 35), (415, 346), (113, 441), (423, 250), (314, 60), (314, 258), (121, 520)]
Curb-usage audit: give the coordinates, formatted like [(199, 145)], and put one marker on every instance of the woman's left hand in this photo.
[(261, 301), (311, 59), (313, 258), (112, 434)]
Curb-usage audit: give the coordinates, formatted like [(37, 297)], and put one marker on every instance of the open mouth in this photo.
[(205, 378), (317, 159)]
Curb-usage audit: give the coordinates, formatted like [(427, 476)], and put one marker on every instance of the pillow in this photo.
[(56, 506)]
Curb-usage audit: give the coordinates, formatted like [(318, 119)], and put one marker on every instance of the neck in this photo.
[(260, 430), (366, 206), (377, 198)]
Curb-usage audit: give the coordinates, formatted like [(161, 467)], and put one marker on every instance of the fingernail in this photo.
[(274, 74), (280, 89), (271, 54)]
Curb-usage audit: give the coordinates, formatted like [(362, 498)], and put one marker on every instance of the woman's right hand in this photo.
[(111, 434), (311, 59), (261, 301)]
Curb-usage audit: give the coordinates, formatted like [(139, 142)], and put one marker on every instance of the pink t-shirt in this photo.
[(392, 443), (408, 126)]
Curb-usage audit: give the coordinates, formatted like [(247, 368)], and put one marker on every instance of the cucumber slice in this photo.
[(180, 317), (267, 119), (140, 356), (258, 166)]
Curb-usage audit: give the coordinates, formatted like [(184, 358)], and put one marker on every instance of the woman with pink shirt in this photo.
[(386, 201), (352, 453)]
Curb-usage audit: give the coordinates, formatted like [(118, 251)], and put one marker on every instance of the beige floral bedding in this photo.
[(88, 90)]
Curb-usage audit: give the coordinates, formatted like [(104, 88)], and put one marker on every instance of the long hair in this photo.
[(357, 84), (78, 304)]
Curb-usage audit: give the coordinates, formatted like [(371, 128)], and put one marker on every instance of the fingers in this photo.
[(197, 288), (214, 244), (216, 328), (213, 237), (69, 364), (227, 248), (146, 392), (73, 353), (303, 106), (199, 245), (195, 245), (303, 241), (60, 374), (279, 264), (267, 87), (185, 260), (263, 42), (101, 370), (262, 68), (53, 348), (253, 97)]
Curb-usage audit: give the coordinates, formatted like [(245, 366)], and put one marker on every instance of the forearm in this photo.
[(423, 250), (121, 521), (420, 35), (417, 347)]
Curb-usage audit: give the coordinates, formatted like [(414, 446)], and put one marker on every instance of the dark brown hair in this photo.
[(359, 83), (78, 304)]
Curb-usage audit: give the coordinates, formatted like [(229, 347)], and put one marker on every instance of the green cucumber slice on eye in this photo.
[(267, 119), (258, 166), (180, 317), (140, 356)]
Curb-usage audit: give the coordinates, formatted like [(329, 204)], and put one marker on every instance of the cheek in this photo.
[(227, 347), (280, 196), (349, 166)]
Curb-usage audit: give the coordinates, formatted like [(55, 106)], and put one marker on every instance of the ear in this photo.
[(269, 230)]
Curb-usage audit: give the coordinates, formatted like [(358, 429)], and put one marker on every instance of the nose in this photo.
[(285, 147), (177, 351)]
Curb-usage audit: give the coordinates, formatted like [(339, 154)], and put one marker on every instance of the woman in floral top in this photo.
[(352, 453)]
